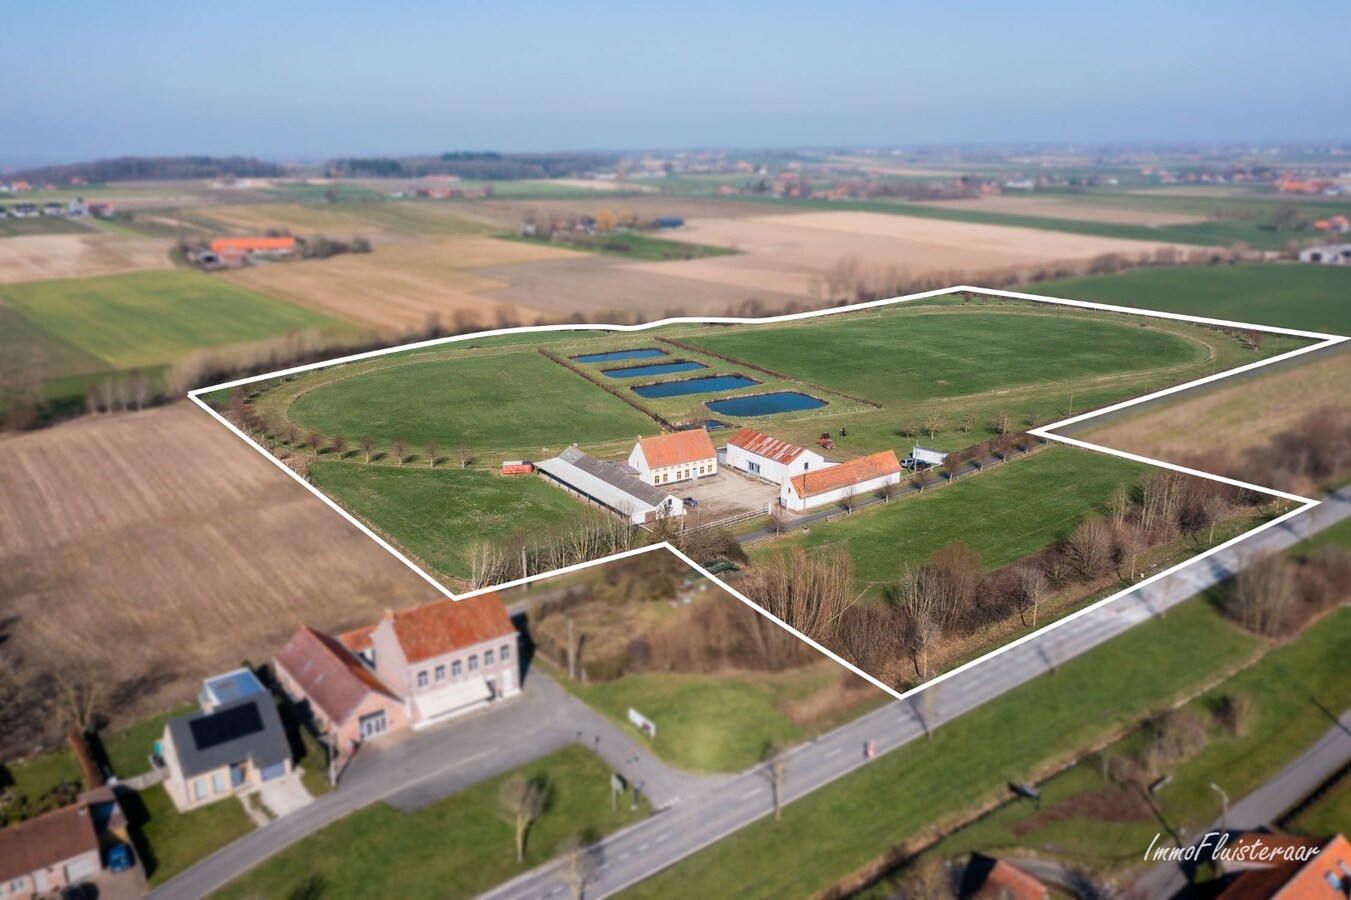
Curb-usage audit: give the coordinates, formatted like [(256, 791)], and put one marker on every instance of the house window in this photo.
[(473, 663), (17, 885), (506, 652), (422, 679), (199, 788), (664, 477), (457, 668), (440, 674), (218, 782), (373, 724), (487, 657), (754, 467)]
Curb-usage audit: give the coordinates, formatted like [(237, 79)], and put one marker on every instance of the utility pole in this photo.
[(572, 653)]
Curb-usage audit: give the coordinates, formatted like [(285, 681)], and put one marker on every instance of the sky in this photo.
[(300, 80)]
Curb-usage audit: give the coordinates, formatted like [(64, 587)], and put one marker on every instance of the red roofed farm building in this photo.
[(680, 456), (233, 249), (834, 483), (769, 457)]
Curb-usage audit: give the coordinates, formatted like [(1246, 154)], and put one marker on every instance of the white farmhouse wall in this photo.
[(790, 499)]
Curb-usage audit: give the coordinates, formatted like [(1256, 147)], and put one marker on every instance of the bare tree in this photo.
[(431, 451), (525, 801), (367, 445), (1120, 504), (1002, 421), (314, 440), (1090, 548), (487, 564), (967, 422), (292, 433), (775, 756), (466, 455), (920, 478), (578, 856), (933, 423), (80, 690), (400, 450), (851, 499), (340, 445), (1261, 593), (1032, 589), (889, 490)]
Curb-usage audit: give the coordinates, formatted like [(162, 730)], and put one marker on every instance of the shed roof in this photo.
[(677, 448), (855, 471), (248, 728), (46, 840), (334, 680), (604, 482), (444, 626), (771, 448)]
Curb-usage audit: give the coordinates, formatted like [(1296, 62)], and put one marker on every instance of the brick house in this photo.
[(345, 697), (48, 853), (448, 657), (680, 456)]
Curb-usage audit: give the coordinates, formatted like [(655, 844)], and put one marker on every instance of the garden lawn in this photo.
[(901, 355), (1287, 295), (458, 847), (506, 402), (149, 318), (708, 723), (168, 841), (1004, 513), (129, 750), (437, 514), (840, 828)]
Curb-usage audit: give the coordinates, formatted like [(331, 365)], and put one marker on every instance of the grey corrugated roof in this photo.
[(611, 474), (247, 729)]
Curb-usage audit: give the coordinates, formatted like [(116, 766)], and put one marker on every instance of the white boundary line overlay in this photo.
[(1046, 431)]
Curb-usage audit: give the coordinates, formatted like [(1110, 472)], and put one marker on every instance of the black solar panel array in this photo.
[(225, 726)]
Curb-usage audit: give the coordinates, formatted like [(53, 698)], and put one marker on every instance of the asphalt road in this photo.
[(1265, 805), (705, 817)]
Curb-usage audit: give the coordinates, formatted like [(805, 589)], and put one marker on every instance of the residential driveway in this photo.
[(432, 765), (285, 795)]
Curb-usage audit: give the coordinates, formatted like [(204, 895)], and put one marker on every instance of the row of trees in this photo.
[(952, 596), (582, 539), (150, 168), (1274, 595)]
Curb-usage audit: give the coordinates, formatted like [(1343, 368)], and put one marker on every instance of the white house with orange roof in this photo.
[(832, 484), (669, 458), (770, 458)]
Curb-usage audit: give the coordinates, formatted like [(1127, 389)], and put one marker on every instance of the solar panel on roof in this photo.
[(225, 726)]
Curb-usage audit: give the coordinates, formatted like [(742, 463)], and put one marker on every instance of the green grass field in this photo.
[(947, 352), (1287, 295), (515, 402), (436, 514), (42, 351), (149, 318), (1006, 513), (835, 831), (39, 225), (457, 847), (708, 723)]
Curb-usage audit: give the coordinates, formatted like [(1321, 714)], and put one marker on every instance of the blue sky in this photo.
[(298, 79)]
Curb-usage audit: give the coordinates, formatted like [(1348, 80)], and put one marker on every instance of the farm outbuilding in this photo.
[(1327, 255), (608, 485), (833, 484), (769, 457), (669, 458)]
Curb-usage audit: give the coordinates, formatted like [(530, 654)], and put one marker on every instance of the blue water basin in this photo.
[(614, 355), (694, 386), (764, 404), (685, 365)]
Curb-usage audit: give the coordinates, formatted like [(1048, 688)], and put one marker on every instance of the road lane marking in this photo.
[(834, 752)]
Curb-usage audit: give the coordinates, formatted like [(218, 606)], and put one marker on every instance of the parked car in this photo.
[(690, 502), (119, 858), (914, 465)]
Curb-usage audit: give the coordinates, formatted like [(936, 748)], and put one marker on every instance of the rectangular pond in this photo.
[(694, 386), (615, 355), (765, 404), (684, 365)]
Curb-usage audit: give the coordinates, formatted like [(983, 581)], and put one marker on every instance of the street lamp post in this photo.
[(1224, 805)]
